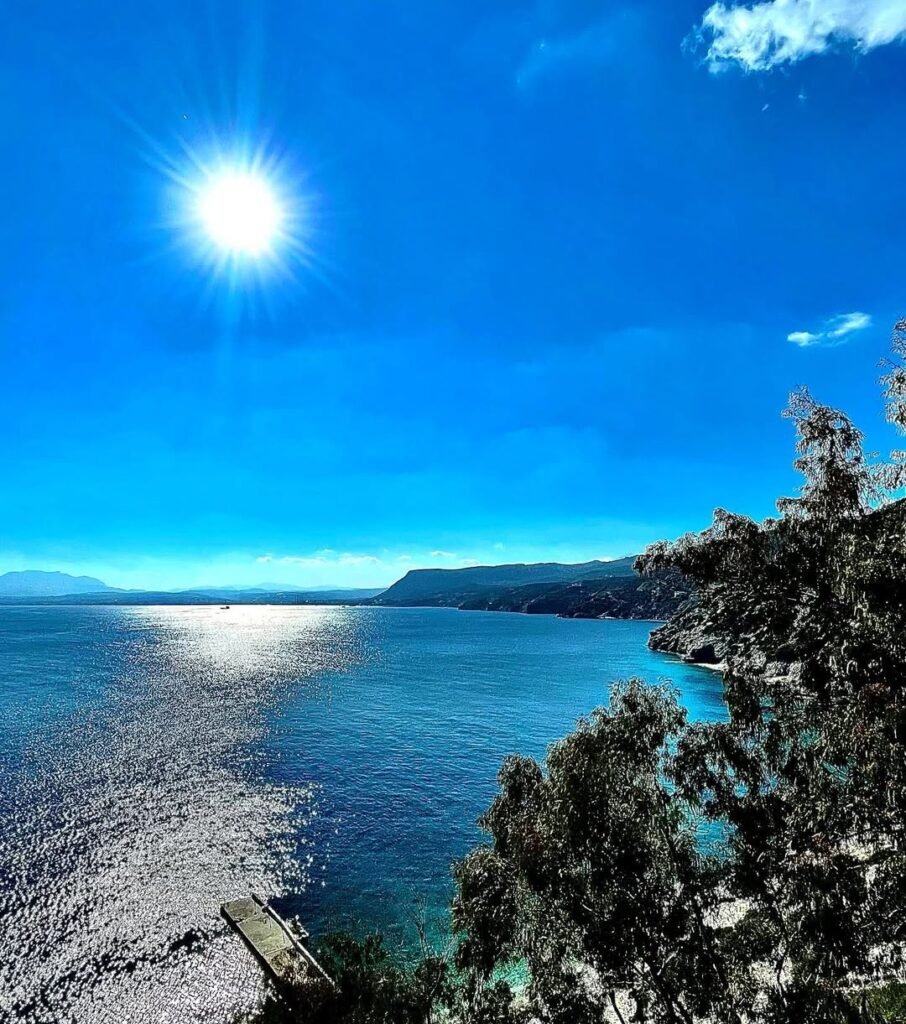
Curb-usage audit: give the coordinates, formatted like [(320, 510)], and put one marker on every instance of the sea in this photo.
[(157, 761)]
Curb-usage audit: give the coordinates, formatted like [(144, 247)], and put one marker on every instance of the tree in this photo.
[(595, 878), (369, 986), (808, 775)]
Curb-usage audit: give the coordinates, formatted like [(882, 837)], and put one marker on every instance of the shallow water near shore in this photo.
[(156, 761)]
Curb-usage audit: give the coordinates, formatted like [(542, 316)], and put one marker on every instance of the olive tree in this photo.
[(597, 881)]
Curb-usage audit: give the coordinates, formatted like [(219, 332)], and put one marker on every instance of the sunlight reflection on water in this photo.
[(155, 762), (127, 825)]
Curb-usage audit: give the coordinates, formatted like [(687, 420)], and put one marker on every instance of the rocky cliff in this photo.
[(691, 635)]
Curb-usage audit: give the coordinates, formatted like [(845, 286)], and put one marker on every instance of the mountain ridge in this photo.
[(450, 586), (40, 583), (593, 589), (588, 590)]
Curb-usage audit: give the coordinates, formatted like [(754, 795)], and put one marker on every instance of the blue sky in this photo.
[(553, 269)]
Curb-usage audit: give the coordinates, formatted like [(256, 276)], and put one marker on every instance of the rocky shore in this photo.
[(690, 635)]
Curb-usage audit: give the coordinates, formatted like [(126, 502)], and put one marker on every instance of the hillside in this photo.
[(595, 589), (453, 587), (616, 597), (34, 583), (591, 590)]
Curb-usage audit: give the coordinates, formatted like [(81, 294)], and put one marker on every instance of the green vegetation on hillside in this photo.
[(589, 590), (653, 870), (448, 587)]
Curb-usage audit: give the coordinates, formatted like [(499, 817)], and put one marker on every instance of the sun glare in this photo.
[(242, 218), (240, 213)]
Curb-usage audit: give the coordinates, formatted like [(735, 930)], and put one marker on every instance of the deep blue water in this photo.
[(157, 761)]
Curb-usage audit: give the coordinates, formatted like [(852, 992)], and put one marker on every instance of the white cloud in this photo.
[(327, 557), (846, 323), (803, 338), (833, 332), (328, 565), (323, 557), (762, 36)]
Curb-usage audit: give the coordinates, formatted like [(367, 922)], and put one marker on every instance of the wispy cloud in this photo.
[(761, 36), (344, 563), (561, 47), (846, 323), (320, 558), (595, 45), (833, 332)]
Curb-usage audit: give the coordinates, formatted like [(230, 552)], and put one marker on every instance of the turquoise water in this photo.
[(157, 761)]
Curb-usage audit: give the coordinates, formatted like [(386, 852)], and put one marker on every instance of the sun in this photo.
[(243, 219), (240, 213)]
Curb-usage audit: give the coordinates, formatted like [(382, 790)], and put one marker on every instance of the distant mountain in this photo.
[(453, 587), (595, 589), (264, 595), (352, 594), (611, 597), (588, 590), (109, 596), (34, 583), (259, 588)]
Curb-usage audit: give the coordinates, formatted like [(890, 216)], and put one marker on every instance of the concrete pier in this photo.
[(277, 948)]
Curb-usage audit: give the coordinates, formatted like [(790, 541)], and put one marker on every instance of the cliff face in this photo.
[(691, 635)]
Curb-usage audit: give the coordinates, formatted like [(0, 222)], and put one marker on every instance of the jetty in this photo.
[(275, 945)]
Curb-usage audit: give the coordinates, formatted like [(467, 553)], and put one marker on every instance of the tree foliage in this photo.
[(598, 883), (370, 985), (794, 908)]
